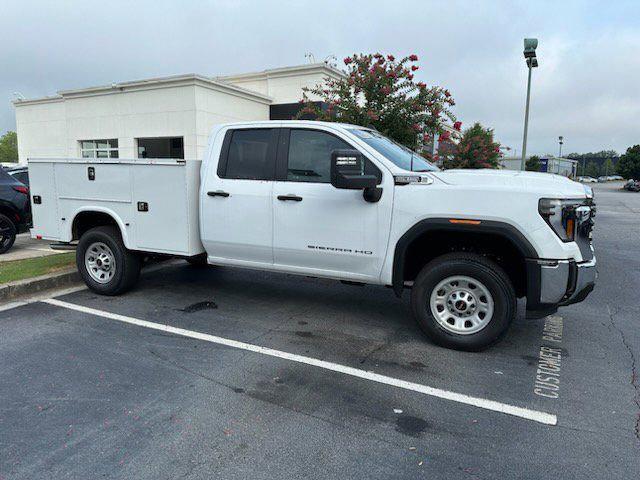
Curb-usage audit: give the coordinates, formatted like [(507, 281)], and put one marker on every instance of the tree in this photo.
[(592, 169), (476, 149), (533, 164), (600, 158), (380, 92), (629, 164), (589, 155), (608, 168), (9, 147)]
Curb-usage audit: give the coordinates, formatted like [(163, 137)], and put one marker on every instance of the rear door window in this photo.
[(249, 154)]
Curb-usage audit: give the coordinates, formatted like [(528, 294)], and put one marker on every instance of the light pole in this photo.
[(560, 141), (530, 45)]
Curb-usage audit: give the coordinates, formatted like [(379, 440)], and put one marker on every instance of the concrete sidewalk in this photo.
[(27, 247)]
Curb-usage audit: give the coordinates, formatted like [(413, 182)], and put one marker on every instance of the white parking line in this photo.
[(534, 415)]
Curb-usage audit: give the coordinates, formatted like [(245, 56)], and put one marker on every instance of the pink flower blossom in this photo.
[(414, 67), (391, 58), (348, 60), (413, 58), (457, 125)]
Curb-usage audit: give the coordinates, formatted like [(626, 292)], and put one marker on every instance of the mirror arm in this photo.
[(372, 194)]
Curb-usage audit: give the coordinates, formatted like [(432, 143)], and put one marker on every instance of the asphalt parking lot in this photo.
[(244, 374)]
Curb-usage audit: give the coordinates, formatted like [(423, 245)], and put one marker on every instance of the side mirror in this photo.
[(347, 171)]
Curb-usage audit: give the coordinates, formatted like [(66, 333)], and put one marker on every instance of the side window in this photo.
[(309, 158), (310, 155), (250, 155)]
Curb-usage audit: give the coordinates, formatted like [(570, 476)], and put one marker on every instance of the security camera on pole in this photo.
[(530, 45)]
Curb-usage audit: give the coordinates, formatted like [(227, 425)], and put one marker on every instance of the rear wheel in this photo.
[(463, 301), (7, 233), (104, 263)]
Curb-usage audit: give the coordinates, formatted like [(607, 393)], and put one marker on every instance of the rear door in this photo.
[(237, 210), (44, 205)]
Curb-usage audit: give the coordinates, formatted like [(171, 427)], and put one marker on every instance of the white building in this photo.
[(548, 163), (168, 117)]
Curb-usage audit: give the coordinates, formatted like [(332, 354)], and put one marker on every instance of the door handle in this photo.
[(218, 193), (293, 198)]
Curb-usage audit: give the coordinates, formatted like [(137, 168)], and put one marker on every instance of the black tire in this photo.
[(8, 233), (127, 263), (198, 260), (489, 274)]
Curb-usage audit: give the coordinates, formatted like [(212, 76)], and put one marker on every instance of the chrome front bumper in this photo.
[(585, 281), (553, 283)]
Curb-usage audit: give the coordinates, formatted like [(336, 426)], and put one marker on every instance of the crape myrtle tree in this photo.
[(380, 92), (476, 149)]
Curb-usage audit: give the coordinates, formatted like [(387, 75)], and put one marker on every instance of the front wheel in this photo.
[(463, 301), (104, 263)]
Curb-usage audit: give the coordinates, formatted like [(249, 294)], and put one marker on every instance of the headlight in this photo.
[(561, 216)]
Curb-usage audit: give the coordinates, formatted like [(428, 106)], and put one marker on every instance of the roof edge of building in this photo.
[(283, 72), (156, 82)]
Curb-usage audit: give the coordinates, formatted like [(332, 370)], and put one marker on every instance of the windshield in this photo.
[(398, 154)]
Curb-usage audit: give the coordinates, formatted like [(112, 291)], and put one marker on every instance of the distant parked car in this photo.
[(15, 209), (616, 178), (20, 173), (603, 179), (587, 179)]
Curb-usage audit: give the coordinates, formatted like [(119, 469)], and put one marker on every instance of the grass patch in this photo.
[(34, 267)]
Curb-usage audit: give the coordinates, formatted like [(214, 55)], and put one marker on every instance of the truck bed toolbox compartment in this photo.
[(154, 202)]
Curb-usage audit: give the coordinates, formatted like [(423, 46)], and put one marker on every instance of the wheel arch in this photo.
[(443, 229), (88, 217)]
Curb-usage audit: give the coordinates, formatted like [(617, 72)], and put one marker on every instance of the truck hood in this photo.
[(543, 183)]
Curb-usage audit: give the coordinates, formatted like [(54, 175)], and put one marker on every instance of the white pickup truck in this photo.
[(336, 201)]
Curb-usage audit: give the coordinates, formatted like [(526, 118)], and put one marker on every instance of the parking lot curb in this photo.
[(29, 286)]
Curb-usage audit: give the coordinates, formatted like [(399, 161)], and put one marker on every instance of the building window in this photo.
[(99, 148), (161, 147)]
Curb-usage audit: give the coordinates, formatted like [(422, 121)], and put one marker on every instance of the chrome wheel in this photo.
[(100, 262), (461, 305)]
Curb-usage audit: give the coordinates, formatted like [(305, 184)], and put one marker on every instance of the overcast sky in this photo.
[(587, 87)]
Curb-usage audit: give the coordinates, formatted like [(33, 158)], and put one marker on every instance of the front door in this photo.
[(237, 207), (318, 227)]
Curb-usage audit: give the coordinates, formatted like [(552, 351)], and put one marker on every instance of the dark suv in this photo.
[(15, 209)]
